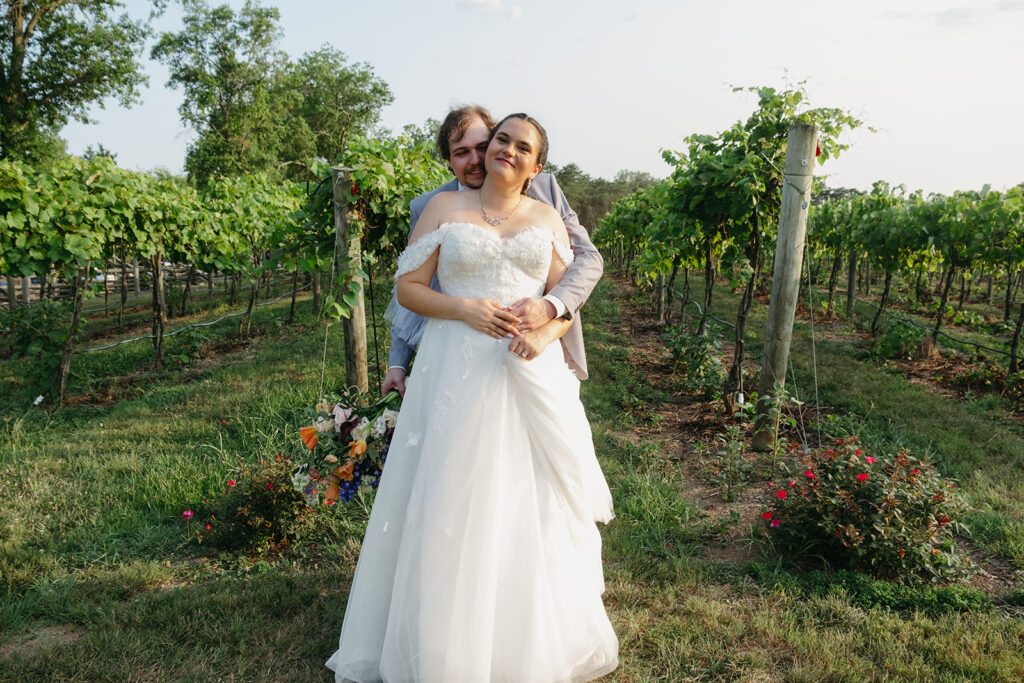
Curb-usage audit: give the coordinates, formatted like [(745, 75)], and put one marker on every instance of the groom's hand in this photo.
[(533, 312), (395, 379)]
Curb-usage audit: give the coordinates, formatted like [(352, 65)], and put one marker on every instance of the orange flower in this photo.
[(345, 471), (309, 437), (356, 449), (333, 493)]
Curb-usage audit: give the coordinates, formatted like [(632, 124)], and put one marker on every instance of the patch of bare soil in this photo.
[(40, 640), (994, 575)]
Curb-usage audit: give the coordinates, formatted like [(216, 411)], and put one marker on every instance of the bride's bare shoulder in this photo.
[(443, 201), (441, 207), (546, 215)]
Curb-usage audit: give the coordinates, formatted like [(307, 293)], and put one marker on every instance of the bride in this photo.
[(482, 559)]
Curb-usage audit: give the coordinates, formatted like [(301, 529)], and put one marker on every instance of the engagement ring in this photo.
[(523, 354)]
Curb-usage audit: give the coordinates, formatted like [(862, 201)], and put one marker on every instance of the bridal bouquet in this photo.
[(346, 447)]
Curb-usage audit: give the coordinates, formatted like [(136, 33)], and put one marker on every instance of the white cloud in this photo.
[(513, 12)]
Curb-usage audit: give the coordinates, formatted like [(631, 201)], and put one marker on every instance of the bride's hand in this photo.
[(529, 345), (490, 317)]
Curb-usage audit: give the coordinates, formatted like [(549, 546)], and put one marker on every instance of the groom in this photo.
[(462, 141)]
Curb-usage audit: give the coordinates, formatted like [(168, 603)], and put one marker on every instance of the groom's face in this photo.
[(467, 154)]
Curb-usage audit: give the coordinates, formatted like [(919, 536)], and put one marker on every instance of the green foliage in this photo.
[(253, 109), (591, 198), (260, 512), (987, 377), (891, 516), (899, 341), (733, 465), (697, 357), (38, 332), (59, 58), (186, 346), (336, 100), (386, 175), (225, 63)]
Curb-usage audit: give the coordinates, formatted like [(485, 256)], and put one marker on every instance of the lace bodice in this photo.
[(475, 261)]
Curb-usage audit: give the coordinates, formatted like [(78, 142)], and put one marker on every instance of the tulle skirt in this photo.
[(482, 559)]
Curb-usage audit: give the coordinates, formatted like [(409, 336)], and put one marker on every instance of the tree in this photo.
[(226, 64), (335, 99), (592, 198), (425, 134), (98, 150), (58, 58)]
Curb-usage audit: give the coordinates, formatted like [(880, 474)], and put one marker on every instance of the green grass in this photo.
[(99, 579)]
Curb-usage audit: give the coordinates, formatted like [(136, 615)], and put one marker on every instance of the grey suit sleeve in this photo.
[(400, 351), (588, 265)]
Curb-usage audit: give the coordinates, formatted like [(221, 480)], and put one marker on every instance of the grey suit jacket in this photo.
[(573, 290)]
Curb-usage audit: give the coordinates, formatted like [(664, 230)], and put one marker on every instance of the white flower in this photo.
[(324, 424), (362, 430), (390, 417), (341, 414), (380, 425), (300, 480)]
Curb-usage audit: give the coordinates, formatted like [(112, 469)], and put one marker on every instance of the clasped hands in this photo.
[(523, 321)]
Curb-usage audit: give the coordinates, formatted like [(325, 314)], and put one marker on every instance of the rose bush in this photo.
[(890, 516)]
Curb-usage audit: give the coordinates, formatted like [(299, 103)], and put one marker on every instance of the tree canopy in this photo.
[(253, 108), (58, 58)]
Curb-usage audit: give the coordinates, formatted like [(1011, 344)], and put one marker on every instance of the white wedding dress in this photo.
[(482, 560)]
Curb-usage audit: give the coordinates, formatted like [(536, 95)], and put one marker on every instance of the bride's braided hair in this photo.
[(542, 153)]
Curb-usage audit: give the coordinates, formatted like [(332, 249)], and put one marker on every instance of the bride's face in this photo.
[(512, 154)]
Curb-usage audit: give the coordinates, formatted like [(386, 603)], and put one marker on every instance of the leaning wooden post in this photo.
[(348, 259), (789, 249)]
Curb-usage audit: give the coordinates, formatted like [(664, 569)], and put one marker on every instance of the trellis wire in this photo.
[(182, 329)]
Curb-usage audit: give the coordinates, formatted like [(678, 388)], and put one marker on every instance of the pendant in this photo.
[(493, 221)]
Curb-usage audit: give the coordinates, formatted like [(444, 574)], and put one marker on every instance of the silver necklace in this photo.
[(497, 221)]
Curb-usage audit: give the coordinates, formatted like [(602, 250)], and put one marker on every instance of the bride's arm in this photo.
[(414, 291)]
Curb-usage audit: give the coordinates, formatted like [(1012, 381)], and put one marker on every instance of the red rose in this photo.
[(862, 476), (766, 515), (781, 494)]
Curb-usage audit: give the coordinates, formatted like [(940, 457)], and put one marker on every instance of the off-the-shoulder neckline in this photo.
[(494, 233)]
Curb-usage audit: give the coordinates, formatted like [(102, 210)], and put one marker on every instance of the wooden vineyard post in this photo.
[(347, 258), (796, 198)]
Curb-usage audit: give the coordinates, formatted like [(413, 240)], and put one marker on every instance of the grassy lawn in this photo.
[(101, 579)]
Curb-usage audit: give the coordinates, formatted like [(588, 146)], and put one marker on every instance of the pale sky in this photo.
[(616, 82)]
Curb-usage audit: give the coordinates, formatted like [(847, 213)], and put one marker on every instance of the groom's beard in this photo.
[(475, 175)]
